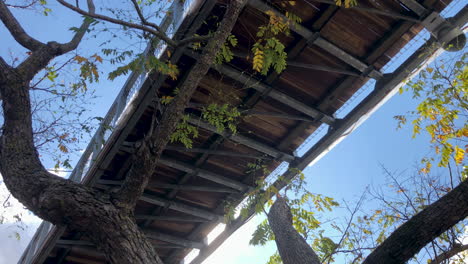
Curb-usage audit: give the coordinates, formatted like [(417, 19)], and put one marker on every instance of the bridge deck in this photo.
[(330, 56)]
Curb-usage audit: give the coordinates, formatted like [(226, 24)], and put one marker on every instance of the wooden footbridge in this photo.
[(331, 54)]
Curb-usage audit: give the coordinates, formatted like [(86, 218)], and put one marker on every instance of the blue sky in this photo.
[(343, 173)]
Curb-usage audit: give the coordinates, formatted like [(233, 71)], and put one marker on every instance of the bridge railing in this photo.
[(169, 24)]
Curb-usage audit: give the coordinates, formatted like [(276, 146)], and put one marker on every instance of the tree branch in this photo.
[(407, 240), (142, 18), (25, 6), (73, 44), (456, 249), (17, 30), (41, 57), (155, 32), (149, 151)]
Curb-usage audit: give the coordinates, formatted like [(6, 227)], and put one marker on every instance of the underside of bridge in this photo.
[(331, 54)]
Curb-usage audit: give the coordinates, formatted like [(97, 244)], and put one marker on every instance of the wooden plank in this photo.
[(204, 174), (197, 188), (216, 152), (173, 239), (251, 82), (181, 207), (245, 141), (184, 218)]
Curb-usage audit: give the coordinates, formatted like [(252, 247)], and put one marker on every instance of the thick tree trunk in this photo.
[(61, 201), (292, 247)]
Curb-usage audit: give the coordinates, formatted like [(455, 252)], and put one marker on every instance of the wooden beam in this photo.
[(245, 141), (187, 209), (200, 188), (187, 176), (185, 218), (251, 82), (217, 152), (375, 11), (204, 174), (197, 188), (267, 90), (310, 66), (322, 68), (279, 115), (172, 239)]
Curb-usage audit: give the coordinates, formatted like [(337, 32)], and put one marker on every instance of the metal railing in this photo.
[(169, 24)]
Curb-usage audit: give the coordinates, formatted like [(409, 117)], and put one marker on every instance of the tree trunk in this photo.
[(412, 236), (60, 201), (292, 247)]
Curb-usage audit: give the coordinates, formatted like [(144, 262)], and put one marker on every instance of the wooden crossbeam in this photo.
[(187, 209), (187, 187), (279, 115), (204, 174), (267, 90), (251, 82), (198, 188), (249, 112), (217, 152), (375, 11), (185, 218), (318, 67), (173, 239), (244, 141)]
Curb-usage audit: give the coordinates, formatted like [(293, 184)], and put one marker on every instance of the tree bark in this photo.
[(292, 247)]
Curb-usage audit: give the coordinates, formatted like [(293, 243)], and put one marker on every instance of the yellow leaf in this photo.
[(459, 155)]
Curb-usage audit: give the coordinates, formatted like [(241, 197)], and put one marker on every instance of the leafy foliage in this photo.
[(268, 51), (443, 109), (221, 116), (184, 132), (142, 63), (225, 54), (346, 3)]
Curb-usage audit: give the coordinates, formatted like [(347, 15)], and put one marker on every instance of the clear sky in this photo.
[(343, 173)]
